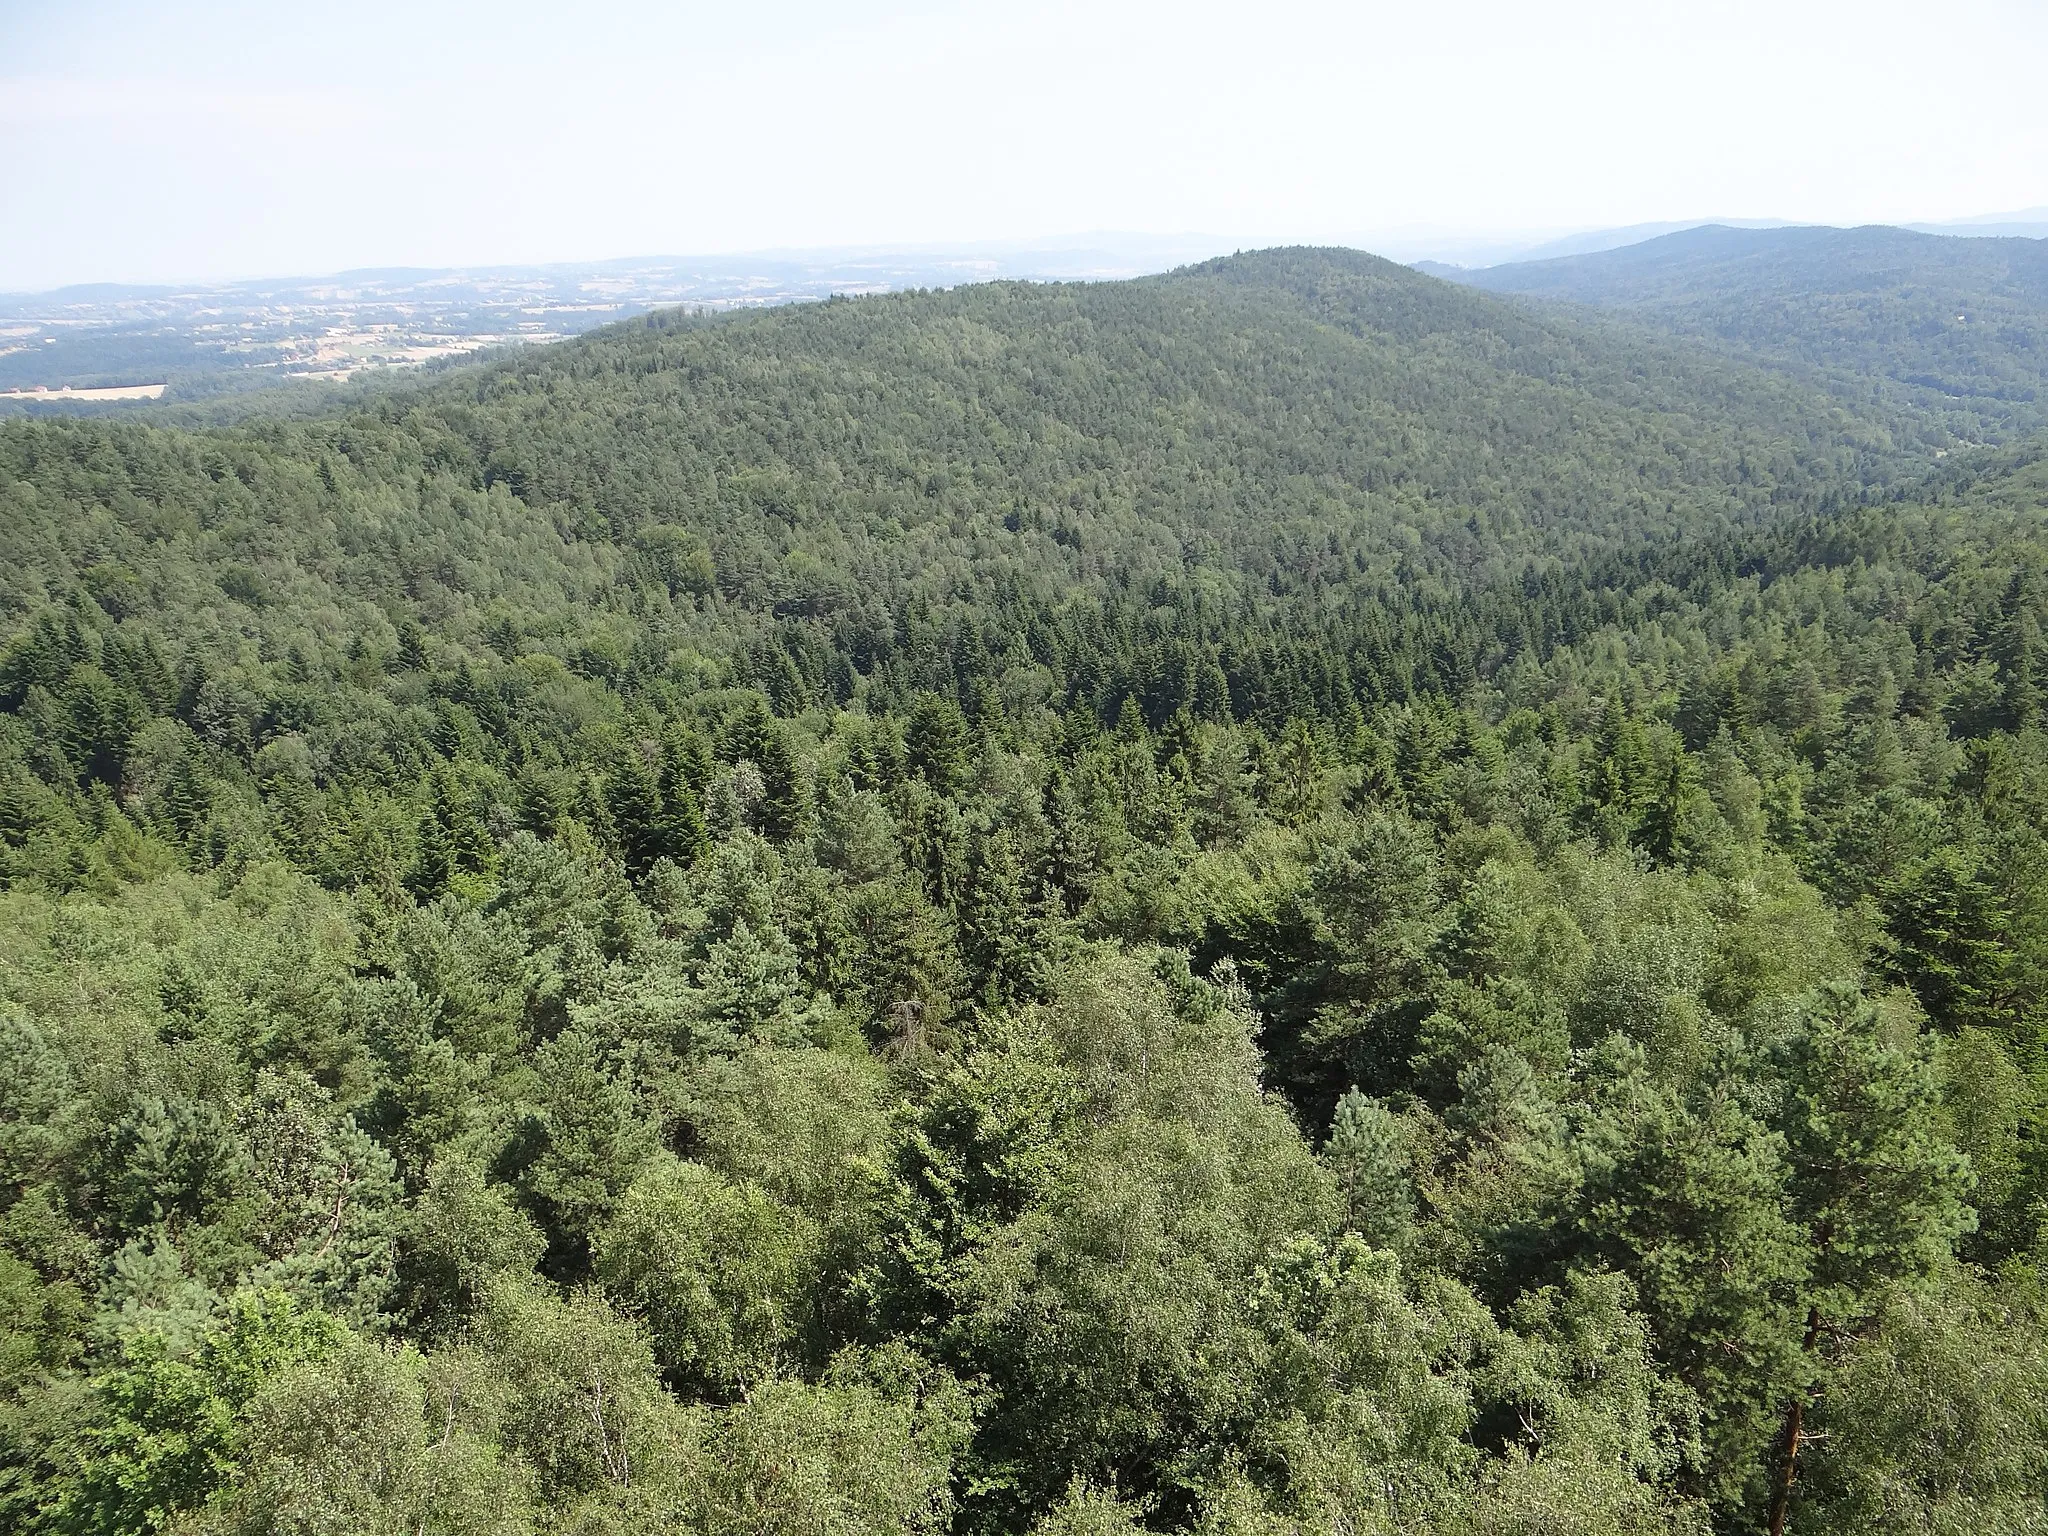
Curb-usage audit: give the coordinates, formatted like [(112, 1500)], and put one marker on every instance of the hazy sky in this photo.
[(168, 141)]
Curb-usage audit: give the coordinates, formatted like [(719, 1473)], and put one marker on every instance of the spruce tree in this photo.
[(936, 741)]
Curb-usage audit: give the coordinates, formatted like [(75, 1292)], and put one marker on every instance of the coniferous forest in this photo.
[(1285, 900)]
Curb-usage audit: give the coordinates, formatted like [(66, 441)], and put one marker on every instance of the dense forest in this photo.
[(1288, 899), (1956, 327)]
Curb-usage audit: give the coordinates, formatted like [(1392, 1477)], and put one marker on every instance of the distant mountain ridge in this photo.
[(1958, 326), (2027, 223), (1442, 254)]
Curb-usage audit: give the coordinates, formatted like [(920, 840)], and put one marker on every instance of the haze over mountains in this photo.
[(208, 339)]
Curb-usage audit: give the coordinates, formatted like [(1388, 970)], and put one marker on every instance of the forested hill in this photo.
[(1242, 407), (1280, 901), (1223, 414), (1959, 326), (870, 487)]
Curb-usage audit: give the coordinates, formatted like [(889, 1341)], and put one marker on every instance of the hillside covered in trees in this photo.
[(1954, 327), (1285, 899)]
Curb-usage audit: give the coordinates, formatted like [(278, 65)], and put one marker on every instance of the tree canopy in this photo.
[(1284, 899)]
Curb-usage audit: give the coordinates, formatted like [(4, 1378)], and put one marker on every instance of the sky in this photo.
[(179, 142)]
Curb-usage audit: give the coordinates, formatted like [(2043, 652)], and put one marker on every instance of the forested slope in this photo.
[(1284, 899), (1956, 327)]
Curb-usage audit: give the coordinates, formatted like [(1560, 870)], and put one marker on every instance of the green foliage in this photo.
[(1367, 1154), (162, 1433), (1685, 1193), (1599, 1433), (1278, 900), (580, 1404), (866, 1450), (721, 1272), (365, 1443), (1936, 1419), (462, 1234), (1878, 1190)]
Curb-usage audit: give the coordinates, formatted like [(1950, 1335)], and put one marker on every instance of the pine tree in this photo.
[(1674, 811), (1874, 1186), (1368, 1152), (1071, 861), (412, 647), (1685, 1193), (1299, 778), (682, 815), (2016, 646), (598, 1135), (751, 986), (747, 731), (1948, 926)]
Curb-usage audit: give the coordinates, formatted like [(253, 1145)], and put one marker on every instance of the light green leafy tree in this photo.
[(722, 1272)]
